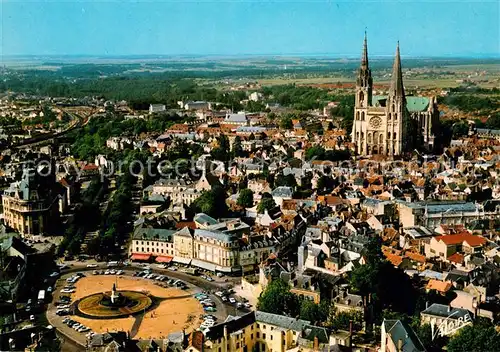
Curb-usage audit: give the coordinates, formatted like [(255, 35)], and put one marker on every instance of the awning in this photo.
[(204, 265), (163, 259), (140, 256), (224, 269), (182, 260)]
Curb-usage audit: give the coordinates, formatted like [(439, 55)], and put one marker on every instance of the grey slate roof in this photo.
[(281, 321), (401, 331), (149, 233), (444, 311)]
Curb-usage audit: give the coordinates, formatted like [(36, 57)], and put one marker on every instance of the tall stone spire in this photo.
[(364, 56), (397, 88)]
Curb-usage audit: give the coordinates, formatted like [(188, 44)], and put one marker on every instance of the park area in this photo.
[(174, 309)]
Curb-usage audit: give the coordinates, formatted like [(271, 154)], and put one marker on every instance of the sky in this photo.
[(273, 27)]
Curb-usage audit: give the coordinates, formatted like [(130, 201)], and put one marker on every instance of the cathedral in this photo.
[(393, 124)]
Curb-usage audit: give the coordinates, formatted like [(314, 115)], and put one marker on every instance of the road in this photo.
[(195, 283)]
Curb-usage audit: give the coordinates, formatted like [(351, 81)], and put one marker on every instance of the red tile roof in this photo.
[(471, 240), (456, 258)]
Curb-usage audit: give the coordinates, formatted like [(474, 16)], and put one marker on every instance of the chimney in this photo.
[(400, 345), (316, 343)]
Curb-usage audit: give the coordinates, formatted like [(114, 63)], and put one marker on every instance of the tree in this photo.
[(266, 204), (212, 203), (288, 180), (278, 299), (286, 123), (478, 337), (460, 129), (314, 312), (237, 148), (389, 287), (342, 320), (245, 198)]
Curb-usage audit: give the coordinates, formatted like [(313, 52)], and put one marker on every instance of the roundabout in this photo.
[(143, 308), (113, 304)]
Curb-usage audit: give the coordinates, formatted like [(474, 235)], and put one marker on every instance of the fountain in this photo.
[(114, 304)]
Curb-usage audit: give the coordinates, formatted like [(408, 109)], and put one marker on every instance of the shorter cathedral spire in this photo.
[(397, 88)]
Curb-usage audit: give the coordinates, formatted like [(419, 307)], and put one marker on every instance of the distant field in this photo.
[(313, 80), (484, 75)]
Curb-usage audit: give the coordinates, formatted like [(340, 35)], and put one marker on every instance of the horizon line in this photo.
[(257, 55)]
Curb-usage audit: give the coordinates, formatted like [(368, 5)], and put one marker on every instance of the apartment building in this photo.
[(433, 214), (31, 206), (255, 331), (150, 242)]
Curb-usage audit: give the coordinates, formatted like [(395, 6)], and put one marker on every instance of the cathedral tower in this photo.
[(398, 120), (364, 88)]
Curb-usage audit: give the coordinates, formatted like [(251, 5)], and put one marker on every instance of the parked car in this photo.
[(232, 300), (95, 272), (91, 265)]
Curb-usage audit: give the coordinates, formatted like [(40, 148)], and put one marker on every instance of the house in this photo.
[(397, 336), (444, 246), (239, 119), (153, 108), (445, 319)]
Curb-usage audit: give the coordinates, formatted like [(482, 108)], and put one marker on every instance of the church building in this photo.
[(393, 124)]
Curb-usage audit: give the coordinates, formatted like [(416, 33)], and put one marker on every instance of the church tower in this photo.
[(398, 137), (364, 88)]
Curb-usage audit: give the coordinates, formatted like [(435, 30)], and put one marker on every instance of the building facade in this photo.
[(31, 206), (392, 124)]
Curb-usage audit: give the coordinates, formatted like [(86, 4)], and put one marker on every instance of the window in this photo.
[(251, 336), (258, 335), (388, 135), (362, 116), (263, 326), (237, 345), (220, 349), (263, 347), (264, 336), (271, 337)]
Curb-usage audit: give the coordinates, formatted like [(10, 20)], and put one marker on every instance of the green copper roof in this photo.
[(413, 104), (377, 98)]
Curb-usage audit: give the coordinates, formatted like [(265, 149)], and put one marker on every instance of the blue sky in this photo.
[(424, 28)]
